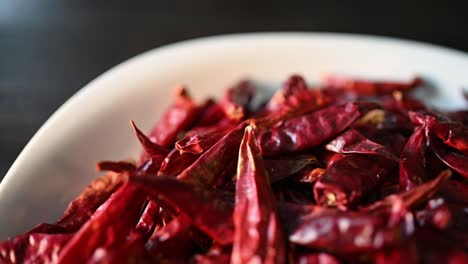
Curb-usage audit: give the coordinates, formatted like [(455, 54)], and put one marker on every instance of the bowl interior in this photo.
[(94, 124)]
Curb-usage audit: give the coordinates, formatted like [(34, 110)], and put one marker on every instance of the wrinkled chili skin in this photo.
[(310, 130), (412, 164), (258, 235), (344, 183), (452, 158)]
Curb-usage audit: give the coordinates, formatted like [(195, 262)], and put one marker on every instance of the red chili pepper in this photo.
[(347, 180), (200, 140), (205, 170), (452, 134), (33, 248), (109, 226), (151, 148), (413, 160), (352, 141), (236, 100), (364, 87), (174, 163), (455, 192), (83, 206), (210, 114), (317, 258), (455, 160), (258, 233), (311, 130), (180, 115), (148, 220), (173, 242), (210, 215)]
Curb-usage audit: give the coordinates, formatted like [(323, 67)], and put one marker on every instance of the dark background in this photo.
[(50, 49)]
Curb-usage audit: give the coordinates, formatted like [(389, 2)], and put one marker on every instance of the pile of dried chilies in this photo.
[(352, 171)]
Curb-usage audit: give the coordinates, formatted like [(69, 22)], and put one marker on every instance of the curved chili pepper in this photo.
[(313, 129), (345, 182), (180, 115), (413, 160), (82, 207), (351, 141), (151, 148), (210, 215), (174, 163), (109, 226), (452, 134), (205, 170), (455, 160), (258, 234), (148, 220), (200, 140)]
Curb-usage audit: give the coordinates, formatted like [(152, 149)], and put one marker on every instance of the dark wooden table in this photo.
[(50, 49)]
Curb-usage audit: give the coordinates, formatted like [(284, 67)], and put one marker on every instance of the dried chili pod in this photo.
[(82, 207), (347, 180), (281, 168), (454, 159), (172, 243), (180, 115), (148, 220), (351, 141), (365, 87), (316, 258), (150, 147), (347, 232), (453, 134), (236, 100), (258, 232), (414, 197), (109, 226), (206, 169), (295, 97), (198, 141), (115, 166), (207, 213), (311, 130), (33, 248), (174, 163), (216, 254), (412, 162)]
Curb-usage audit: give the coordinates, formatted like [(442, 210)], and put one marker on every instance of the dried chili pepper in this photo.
[(313, 129), (352, 141), (210, 215), (204, 171), (236, 100), (148, 220), (413, 160), (345, 182), (180, 115), (172, 243), (198, 141), (364, 87), (151, 148), (174, 163), (455, 192), (258, 234), (317, 258), (109, 226), (83, 206), (33, 248), (455, 160)]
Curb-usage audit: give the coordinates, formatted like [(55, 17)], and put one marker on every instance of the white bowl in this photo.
[(93, 125)]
